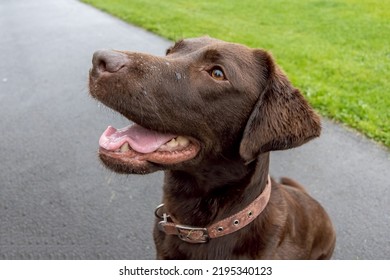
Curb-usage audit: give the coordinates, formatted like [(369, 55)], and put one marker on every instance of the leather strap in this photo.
[(226, 226)]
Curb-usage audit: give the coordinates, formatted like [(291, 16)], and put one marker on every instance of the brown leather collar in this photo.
[(226, 226)]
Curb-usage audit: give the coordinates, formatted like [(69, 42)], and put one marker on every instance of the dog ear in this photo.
[(281, 119)]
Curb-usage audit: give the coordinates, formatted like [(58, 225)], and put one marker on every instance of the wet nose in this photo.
[(108, 61)]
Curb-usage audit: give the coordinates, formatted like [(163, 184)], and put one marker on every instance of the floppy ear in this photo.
[(281, 119)]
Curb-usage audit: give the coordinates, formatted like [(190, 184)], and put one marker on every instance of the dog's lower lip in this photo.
[(129, 156), (176, 144)]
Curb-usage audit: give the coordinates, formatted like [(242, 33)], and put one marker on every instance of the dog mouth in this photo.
[(135, 145)]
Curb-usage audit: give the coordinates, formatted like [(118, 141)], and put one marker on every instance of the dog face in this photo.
[(206, 99)]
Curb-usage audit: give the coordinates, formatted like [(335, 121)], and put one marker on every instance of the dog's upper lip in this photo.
[(139, 138)]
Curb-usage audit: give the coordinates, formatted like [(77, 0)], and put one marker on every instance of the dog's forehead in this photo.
[(205, 42), (202, 41)]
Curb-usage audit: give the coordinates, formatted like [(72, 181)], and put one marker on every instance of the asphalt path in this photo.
[(58, 202)]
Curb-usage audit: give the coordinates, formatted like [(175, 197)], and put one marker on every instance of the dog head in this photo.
[(206, 99)]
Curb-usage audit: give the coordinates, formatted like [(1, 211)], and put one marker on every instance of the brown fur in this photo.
[(236, 122)]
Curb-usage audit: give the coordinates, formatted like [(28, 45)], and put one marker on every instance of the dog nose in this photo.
[(108, 61)]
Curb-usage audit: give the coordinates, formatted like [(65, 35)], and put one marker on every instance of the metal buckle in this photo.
[(162, 223), (184, 232), (157, 214), (186, 236)]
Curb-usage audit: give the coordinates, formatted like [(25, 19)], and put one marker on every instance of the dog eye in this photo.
[(217, 74)]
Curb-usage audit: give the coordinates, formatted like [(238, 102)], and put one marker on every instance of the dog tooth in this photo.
[(125, 147), (173, 143), (183, 141)]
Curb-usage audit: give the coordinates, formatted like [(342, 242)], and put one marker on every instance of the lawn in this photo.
[(336, 51)]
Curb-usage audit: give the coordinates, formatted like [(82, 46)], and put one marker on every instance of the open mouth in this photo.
[(135, 144)]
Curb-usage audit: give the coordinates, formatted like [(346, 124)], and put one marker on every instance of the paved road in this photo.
[(58, 202)]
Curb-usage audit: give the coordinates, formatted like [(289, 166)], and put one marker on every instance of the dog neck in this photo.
[(199, 197)]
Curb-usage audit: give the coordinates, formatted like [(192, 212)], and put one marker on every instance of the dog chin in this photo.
[(127, 166)]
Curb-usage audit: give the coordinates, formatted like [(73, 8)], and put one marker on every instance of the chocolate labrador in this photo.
[(209, 113)]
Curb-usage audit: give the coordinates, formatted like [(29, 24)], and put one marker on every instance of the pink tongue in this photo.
[(140, 139)]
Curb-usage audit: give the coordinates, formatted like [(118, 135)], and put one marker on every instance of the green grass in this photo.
[(336, 51)]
